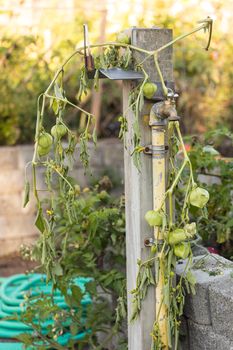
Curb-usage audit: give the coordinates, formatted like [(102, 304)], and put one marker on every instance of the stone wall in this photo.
[(16, 222), (208, 315)]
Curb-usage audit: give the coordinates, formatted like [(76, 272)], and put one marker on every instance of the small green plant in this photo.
[(216, 225), (21, 79), (88, 240)]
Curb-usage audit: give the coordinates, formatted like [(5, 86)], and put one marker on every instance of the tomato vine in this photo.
[(56, 157), (179, 234)]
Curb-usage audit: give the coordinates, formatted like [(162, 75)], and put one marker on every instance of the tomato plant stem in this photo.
[(160, 74), (203, 26)]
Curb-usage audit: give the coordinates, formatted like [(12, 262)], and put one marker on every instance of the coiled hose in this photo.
[(12, 301)]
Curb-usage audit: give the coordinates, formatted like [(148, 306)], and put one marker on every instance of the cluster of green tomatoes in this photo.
[(45, 140), (178, 238)]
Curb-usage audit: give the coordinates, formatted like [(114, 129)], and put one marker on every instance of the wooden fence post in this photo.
[(138, 185)]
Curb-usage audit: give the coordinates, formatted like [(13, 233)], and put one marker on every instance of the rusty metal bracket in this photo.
[(155, 150), (149, 242)]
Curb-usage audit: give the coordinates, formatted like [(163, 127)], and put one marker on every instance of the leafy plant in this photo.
[(65, 223), (20, 80), (216, 173), (88, 239)]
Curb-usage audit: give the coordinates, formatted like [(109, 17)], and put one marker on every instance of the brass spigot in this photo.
[(164, 110)]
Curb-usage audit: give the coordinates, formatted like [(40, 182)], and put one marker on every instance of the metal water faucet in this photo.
[(163, 110)]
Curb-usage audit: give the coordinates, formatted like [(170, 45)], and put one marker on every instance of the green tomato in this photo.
[(177, 236), (45, 140), (77, 189), (199, 197), (43, 151), (149, 89), (154, 218), (190, 229), (123, 38), (103, 196), (58, 131), (182, 250), (120, 223), (153, 249)]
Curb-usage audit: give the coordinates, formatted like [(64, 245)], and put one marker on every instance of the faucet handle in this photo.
[(172, 95)]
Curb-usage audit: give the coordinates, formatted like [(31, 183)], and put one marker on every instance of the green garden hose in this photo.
[(13, 291)]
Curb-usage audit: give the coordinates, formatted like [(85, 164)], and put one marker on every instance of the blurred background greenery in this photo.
[(37, 35)]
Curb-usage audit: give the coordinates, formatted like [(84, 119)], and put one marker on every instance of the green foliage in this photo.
[(216, 174), (48, 321), (89, 240), (22, 78), (26, 72), (28, 63), (203, 78)]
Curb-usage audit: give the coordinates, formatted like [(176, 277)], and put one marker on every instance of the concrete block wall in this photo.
[(16, 222), (208, 315)]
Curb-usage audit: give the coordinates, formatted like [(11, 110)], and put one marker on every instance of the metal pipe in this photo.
[(158, 129)]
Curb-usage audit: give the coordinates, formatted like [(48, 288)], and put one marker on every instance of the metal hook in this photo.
[(209, 27)]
